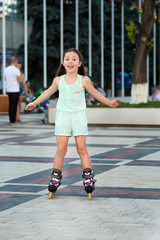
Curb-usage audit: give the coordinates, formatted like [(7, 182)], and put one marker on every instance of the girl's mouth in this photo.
[(70, 67)]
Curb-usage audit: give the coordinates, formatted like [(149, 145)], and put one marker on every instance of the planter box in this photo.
[(4, 103), (118, 116)]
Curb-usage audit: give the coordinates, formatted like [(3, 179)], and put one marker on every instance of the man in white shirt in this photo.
[(13, 78)]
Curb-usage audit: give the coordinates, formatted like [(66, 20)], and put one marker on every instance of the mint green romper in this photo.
[(71, 118)]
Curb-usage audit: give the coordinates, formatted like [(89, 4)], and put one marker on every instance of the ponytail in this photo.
[(81, 70), (60, 71)]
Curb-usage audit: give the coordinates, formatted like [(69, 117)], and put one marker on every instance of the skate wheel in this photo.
[(90, 196), (50, 195)]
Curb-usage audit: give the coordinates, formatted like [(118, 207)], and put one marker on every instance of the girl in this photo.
[(70, 115)]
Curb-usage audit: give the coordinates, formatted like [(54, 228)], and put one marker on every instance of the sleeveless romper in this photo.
[(70, 116)]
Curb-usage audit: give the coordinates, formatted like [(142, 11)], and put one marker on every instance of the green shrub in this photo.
[(128, 105)]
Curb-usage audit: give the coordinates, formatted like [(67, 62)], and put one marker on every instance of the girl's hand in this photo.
[(113, 103), (30, 106)]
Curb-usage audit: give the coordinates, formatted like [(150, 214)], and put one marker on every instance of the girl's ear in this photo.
[(80, 63)]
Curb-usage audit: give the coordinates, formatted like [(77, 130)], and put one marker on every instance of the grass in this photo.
[(127, 105)]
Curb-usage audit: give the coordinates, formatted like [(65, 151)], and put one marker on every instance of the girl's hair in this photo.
[(61, 70)]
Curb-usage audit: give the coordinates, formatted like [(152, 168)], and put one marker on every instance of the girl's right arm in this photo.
[(46, 94)]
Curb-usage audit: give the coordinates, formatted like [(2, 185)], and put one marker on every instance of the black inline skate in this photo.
[(88, 181), (55, 182)]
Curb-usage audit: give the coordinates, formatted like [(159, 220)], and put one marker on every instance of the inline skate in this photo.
[(55, 182), (88, 181)]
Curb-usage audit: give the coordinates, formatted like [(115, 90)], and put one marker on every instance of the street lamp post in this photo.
[(4, 45), (44, 46), (26, 40)]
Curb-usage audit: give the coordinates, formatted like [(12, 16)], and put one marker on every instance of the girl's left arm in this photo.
[(99, 96)]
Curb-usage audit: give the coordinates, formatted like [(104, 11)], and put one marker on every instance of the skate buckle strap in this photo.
[(87, 173), (55, 182), (89, 181), (56, 174), (90, 176)]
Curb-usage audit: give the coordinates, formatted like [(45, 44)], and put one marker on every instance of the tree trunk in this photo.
[(139, 92)]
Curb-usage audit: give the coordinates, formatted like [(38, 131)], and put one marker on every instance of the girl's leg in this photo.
[(82, 151), (87, 175), (62, 143)]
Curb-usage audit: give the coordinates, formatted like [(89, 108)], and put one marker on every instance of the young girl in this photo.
[(70, 115)]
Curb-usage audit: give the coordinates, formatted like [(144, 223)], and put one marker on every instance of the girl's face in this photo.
[(71, 62)]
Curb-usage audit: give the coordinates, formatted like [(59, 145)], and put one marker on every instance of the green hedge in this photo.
[(127, 105)]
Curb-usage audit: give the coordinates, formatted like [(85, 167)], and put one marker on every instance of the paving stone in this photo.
[(125, 204)]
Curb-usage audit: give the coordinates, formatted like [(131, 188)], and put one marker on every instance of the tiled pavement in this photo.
[(126, 202)]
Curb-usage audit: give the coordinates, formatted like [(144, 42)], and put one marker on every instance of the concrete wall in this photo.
[(14, 33), (119, 116)]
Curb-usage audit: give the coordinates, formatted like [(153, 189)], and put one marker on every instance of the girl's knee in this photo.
[(81, 150), (61, 150)]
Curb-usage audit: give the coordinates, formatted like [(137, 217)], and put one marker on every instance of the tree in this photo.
[(35, 41), (140, 34), (129, 15)]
